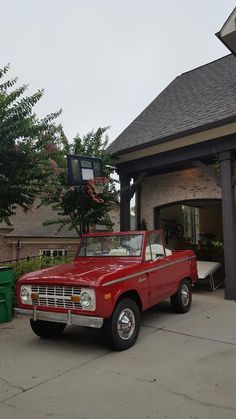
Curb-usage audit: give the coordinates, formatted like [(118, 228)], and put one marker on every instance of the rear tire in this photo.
[(181, 301), (122, 328), (45, 329)]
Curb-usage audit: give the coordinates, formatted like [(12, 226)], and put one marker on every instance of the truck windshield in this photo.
[(114, 245)]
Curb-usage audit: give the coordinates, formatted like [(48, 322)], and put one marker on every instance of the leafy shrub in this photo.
[(26, 266)]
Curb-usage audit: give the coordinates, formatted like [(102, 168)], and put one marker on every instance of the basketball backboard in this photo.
[(81, 169)]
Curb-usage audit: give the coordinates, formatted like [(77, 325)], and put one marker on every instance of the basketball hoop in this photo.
[(95, 187)]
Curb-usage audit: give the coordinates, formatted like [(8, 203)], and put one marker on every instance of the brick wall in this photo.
[(5, 249), (8, 251), (172, 187), (34, 249)]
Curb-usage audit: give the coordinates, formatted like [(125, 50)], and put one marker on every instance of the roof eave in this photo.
[(218, 34), (229, 35), (175, 136)]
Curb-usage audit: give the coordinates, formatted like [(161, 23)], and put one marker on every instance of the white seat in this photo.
[(157, 249)]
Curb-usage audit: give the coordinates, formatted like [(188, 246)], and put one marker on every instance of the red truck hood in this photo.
[(79, 272)]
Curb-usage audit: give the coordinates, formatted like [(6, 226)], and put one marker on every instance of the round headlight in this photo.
[(25, 295), (86, 299)]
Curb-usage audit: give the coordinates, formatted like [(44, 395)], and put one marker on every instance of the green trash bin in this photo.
[(6, 282)]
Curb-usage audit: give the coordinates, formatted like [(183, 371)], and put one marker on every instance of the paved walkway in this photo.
[(182, 366)]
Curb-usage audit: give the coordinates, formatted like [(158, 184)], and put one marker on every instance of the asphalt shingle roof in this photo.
[(193, 101), (30, 224)]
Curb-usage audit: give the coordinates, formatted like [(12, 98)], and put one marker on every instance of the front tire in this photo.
[(122, 328), (45, 329), (181, 301)]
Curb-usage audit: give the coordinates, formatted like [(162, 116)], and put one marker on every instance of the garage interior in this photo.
[(193, 224)]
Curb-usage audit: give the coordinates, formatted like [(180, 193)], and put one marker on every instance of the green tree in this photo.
[(67, 201), (33, 161), (28, 146)]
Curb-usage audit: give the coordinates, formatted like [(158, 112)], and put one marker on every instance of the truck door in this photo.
[(159, 272)]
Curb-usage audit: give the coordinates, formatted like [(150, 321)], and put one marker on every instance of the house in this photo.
[(180, 152), (28, 237)]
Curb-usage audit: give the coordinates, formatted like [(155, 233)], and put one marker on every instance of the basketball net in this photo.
[(95, 187)]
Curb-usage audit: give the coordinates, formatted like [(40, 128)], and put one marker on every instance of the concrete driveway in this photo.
[(182, 366)]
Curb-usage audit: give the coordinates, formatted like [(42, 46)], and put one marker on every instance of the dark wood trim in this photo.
[(124, 203), (157, 220), (229, 226), (138, 207), (176, 157), (131, 189), (234, 180)]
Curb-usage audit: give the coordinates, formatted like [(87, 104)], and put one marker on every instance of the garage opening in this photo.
[(193, 224)]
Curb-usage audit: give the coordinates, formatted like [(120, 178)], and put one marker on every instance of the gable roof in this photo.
[(30, 224), (197, 100)]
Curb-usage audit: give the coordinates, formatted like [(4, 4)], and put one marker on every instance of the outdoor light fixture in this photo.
[(227, 34)]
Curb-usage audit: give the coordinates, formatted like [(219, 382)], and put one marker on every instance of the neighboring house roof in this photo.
[(30, 224), (46, 232), (196, 100)]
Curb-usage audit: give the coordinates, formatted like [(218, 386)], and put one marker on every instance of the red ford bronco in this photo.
[(113, 278)]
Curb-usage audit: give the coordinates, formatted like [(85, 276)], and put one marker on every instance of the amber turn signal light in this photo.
[(75, 298)]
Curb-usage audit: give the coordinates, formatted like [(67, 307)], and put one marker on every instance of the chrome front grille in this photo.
[(56, 296)]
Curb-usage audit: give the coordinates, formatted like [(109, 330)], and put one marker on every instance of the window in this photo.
[(191, 223), (53, 253), (113, 245), (154, 248)]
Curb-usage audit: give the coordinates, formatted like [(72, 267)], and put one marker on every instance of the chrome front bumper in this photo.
[(67, 318)]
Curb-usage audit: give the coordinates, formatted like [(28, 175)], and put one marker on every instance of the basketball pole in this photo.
[(82, 222)]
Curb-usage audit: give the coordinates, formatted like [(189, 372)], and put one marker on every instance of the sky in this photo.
[(104, 61)]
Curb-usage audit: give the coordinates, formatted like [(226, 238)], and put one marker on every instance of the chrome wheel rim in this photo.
[(126, 324), (185, 295)]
